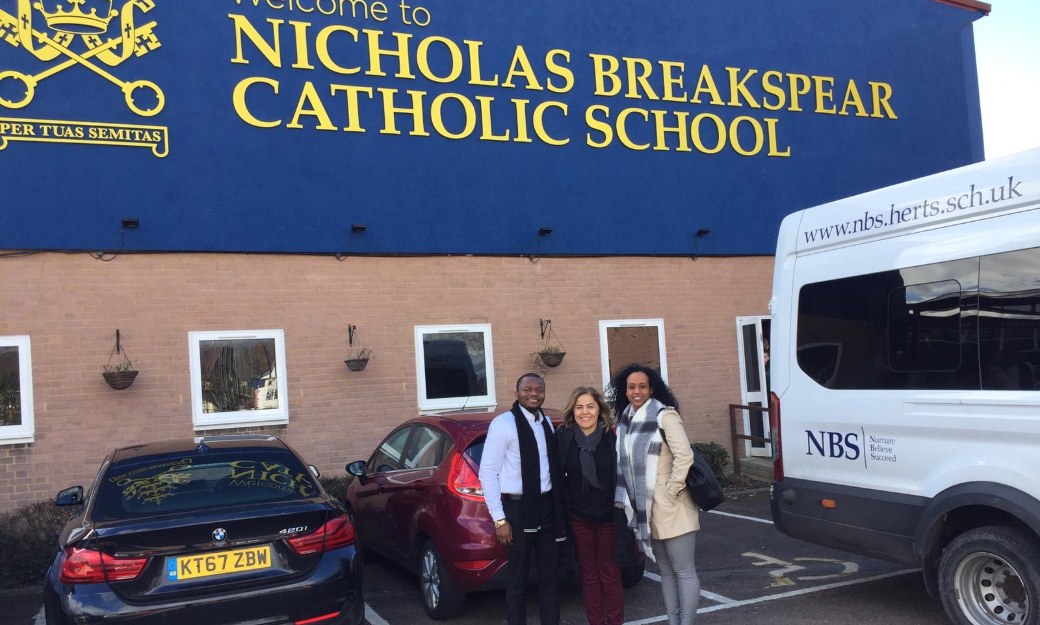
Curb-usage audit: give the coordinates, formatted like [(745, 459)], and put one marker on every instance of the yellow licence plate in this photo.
[(219, 563)]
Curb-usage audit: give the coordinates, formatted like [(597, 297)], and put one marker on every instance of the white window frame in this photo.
[(604, 325), (202, 420), (453, 403), (25, 432)]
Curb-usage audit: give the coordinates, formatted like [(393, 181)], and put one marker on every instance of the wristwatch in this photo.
[(499, 523)]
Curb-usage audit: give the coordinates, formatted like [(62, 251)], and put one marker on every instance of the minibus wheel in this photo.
[(990, 576)]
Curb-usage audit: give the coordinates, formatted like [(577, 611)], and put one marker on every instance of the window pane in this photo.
[(1009, 320), (910, 328), (750, 342), (238, 374), (169, 485), (633, 344), (10, 387), (426, 449), (924, 327), (455, 365), (390, 454)]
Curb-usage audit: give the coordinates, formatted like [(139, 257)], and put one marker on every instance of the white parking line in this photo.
[(373, 618), (783, 595), (704, 593), (741, 516)]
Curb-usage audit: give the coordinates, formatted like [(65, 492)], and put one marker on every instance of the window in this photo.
[(388, 456), (966, 324), (630, 341), (924, 327), (16, 392), (238, 379), (426, 449), (455, 367), (194, 483), (1009, 320)]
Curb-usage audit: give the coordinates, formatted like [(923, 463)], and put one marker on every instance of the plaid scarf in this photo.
[(639, 445)]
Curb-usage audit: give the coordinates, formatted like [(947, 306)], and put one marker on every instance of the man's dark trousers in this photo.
[(546, 557)]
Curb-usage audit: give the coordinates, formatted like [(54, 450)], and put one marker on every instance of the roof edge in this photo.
[(972, 5)]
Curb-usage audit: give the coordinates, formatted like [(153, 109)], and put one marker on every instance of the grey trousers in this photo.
[(679, 581)]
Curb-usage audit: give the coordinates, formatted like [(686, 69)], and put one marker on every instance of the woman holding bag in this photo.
[(654, 456), (586, 444)]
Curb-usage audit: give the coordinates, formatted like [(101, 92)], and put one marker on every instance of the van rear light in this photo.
[(339, 532), (463, 480), (774, 433), (90, 566)]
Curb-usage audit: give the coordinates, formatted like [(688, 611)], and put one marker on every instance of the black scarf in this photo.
[(587, 444), (530, 473)]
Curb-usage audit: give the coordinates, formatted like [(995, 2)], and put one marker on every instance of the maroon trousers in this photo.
[(600, 573)]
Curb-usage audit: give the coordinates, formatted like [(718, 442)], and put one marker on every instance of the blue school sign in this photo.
[(466, 127)]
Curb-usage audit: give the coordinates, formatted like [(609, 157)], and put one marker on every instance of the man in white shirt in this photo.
[(518, 469)]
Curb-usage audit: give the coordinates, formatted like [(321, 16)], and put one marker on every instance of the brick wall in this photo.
[(71, 305)]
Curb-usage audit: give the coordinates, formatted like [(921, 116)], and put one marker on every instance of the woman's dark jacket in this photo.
[(583, 501)]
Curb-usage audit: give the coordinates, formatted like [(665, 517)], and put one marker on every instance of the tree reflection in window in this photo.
[(238, 374)]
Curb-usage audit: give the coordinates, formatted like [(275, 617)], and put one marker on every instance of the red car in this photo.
[(418, 502)]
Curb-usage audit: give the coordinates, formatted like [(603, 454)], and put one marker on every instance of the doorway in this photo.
[(753, 354)]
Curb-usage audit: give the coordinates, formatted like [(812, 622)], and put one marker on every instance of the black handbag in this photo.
[(625, 549), (701, 482)]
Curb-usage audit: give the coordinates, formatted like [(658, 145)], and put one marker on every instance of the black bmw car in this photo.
[(212, 531)]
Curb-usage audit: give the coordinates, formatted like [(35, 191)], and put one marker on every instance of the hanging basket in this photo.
[(120, 379), (552, 359), (356, 364)]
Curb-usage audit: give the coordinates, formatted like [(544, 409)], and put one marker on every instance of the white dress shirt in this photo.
[(500, 462)]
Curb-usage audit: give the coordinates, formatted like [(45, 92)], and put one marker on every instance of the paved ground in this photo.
[(749, 572)]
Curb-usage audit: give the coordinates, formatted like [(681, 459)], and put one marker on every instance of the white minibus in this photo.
[(905, 382)]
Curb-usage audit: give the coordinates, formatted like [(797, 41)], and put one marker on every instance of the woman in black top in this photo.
[(586, 445)]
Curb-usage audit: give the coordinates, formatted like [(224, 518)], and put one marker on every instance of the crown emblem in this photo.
[(79, 20)]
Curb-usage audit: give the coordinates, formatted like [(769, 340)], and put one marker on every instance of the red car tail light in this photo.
[(89, 566), (774, 433), (339, 532), (463, 480)]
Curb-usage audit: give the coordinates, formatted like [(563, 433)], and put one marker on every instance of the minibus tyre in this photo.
[(439, 595), (991, 575)]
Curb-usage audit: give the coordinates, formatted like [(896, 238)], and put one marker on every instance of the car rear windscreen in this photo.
[(198, 481)]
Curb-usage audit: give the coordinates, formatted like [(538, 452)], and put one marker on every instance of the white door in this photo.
[(753, 352)]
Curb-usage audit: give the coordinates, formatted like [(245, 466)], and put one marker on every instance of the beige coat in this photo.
[(673, 512)]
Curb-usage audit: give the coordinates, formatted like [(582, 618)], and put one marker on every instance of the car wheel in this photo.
[(439, 595), (631, 575), (991, 575)]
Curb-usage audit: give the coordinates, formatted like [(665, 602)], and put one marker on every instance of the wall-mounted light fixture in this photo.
[(543, 232), (697, 236), (354, 229), (129, 223)]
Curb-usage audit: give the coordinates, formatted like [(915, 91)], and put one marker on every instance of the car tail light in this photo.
[(339, 532), (463, 480), (774, 433), (90, 566)]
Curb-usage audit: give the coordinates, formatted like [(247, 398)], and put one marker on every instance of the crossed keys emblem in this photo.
[(66, 26)]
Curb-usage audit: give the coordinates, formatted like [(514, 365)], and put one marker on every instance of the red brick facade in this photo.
[(70, 305)]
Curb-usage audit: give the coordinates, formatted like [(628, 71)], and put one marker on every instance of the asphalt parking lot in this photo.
[(748, 571)]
